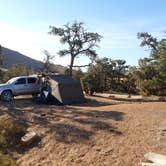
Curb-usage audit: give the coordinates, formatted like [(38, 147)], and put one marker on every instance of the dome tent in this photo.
[(66, 90)]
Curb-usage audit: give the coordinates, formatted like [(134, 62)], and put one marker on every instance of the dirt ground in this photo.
[(101, 132)]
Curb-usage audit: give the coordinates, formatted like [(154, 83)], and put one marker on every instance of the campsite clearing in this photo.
[(99, 132)]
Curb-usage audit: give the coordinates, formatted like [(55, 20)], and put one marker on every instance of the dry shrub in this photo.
[(10, 134), (6, 160)]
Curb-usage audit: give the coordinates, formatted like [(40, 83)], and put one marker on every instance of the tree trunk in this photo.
[(71, 66), (105, 82)]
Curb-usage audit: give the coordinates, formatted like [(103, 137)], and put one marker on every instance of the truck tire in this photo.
[(35, 94), (7, 95)]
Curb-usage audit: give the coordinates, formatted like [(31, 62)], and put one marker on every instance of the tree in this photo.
[(148, 40), (130, 81), (107, 74), (151, 75), (77, 74), (120, 68), (90, 83), (104, 73), (47, 61), (15, 71), (78, 40)]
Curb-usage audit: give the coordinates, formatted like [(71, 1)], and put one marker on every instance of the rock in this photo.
[(149, 164), (111, 97), (105, 151), (29, 138), (43, 114), (156, 159)]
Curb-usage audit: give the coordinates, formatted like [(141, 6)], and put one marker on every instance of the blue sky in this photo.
[(24, 25)]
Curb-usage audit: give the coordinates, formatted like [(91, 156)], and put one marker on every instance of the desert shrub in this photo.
[(1, 75), (10, 132), (6, 160), (16, 71)]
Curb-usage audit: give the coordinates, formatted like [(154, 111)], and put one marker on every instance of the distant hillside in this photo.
[(11, 57)]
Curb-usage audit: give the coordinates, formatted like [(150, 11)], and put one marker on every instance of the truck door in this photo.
[(32, 85), (20, 86)]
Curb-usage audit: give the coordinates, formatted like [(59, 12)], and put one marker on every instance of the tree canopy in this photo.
[(108, 75), (151, 74), (78, 40)]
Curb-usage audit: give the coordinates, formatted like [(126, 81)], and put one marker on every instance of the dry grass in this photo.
[(10, 134), (6, 160), (99, 132)]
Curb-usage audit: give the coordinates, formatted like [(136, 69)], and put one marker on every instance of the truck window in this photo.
[(32, 80), (20, 81)]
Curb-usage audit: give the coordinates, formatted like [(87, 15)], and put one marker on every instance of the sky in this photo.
[(24, 26)]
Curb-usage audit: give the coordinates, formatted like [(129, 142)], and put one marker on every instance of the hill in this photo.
[(11, 57)]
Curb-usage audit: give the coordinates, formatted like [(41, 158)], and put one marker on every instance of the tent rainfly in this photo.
[(66, 90)]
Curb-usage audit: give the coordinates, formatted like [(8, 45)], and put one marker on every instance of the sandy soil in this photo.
[(101, 132)]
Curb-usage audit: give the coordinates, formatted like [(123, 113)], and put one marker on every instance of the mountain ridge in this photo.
[(11, 57)]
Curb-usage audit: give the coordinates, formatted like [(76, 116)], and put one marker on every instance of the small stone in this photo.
[(43, 114), (29, 137)]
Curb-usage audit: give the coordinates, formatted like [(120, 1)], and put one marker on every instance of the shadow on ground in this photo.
[(135, 100), (99, 125), (69, 125), (27, 102), (96, 103), (139, 100), (70, 134)]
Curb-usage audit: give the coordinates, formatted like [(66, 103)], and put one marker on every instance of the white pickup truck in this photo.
[(19, 86)]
